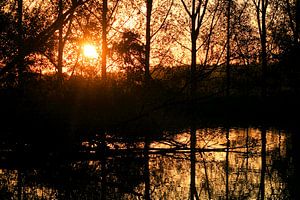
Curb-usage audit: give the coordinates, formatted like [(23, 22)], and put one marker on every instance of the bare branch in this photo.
[(113, 10), (163, 22), (69, 29), (200, 18), (212, 26), (137, 7), (182, 45), (186, 9)]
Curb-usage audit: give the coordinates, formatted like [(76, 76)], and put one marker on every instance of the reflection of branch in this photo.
[(241, 192), (174, 143), (147, 170), (227, 163), (206, 176), (263, 164)]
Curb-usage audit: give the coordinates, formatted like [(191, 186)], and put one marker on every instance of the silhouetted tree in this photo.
[(150, 34), (104, 38), (228, 48), (37, 41), (261, 16), (60, 43), (20, 42), (131, 52), (196, 14), (148, 39)]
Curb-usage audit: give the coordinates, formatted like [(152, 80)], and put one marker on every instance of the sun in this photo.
[(90, 51)]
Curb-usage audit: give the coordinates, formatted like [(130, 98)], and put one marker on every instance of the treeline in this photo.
[(137, 37)]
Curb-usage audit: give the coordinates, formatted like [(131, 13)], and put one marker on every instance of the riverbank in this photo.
[(43, 111)]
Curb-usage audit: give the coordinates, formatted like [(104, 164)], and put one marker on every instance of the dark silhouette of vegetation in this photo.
[(86, 126)]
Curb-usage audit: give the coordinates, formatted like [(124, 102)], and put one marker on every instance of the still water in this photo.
[(211, 163)]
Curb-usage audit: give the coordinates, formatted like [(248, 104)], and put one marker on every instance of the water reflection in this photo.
[(223, 163)]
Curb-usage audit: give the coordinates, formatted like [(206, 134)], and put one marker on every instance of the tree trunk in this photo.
[(193, 56), (228, 50), (297, 20), (104, 39), (148, 41), (60, 43), (196, 16), (21, 57), (263, 38)]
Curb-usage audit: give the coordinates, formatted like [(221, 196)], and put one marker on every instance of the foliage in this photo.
[(132, 55)]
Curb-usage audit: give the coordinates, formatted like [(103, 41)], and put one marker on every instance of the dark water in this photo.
[(235, 163)]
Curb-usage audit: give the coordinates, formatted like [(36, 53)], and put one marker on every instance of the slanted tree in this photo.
[(39, 35)]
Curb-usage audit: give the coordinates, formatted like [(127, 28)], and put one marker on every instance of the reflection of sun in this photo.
[(90, 51)]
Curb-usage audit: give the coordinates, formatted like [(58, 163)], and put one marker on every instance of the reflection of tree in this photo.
[(215, 165), (263, 164), (111, 174), (228, 171), (193, 190), (227, 163), (206, 180), (146, 169), (103, 159), (20, 184)]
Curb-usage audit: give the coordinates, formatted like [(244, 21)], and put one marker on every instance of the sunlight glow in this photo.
[(90, 51)]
